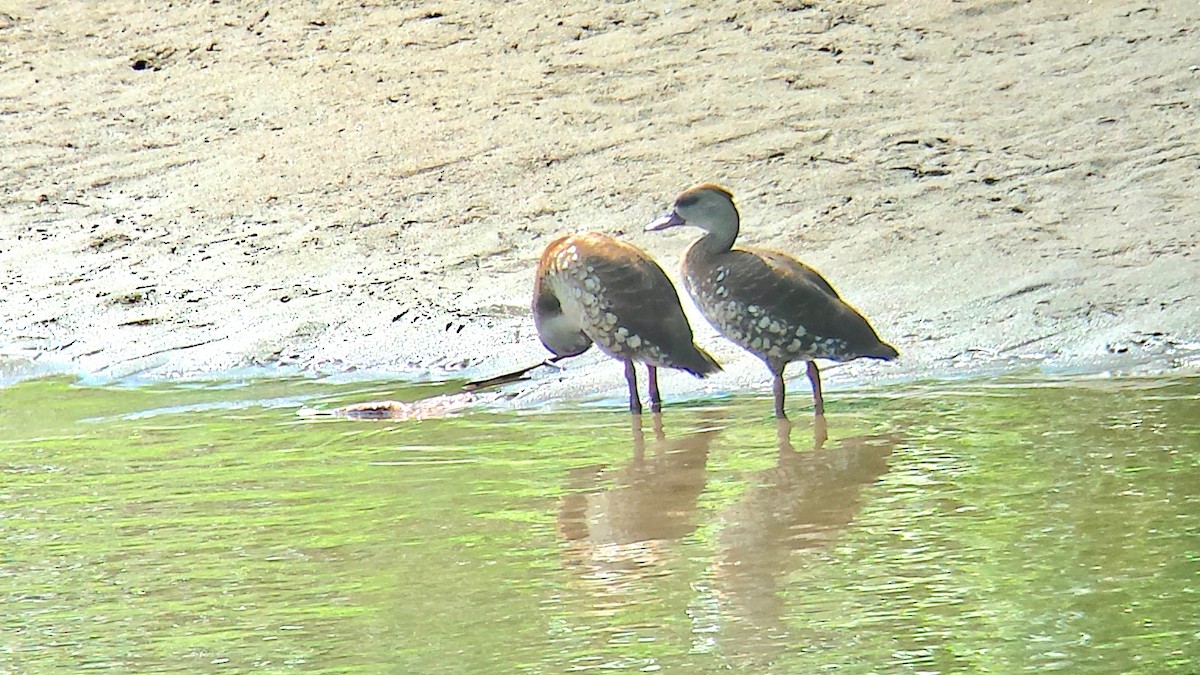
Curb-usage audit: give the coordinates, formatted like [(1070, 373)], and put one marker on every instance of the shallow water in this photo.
[(992, 526)]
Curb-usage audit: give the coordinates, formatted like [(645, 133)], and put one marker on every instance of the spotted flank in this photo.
[(588, 303), (761, 330)]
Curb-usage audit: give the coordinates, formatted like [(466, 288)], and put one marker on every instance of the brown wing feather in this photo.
[(790, 291), (644, 298), (787, 266)]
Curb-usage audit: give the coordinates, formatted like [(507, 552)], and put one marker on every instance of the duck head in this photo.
[(707, 206)]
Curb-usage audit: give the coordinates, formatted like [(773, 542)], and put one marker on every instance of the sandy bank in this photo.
[(328, 187)]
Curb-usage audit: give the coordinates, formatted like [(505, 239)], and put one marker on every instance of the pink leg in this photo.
[(635, 404)]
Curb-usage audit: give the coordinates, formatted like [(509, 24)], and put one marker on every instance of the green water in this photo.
[(983, 527)]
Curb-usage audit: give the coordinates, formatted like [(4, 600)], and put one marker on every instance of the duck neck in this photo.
[(703, 253), (719, 240)]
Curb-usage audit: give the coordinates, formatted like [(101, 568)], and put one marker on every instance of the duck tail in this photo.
[(882, 351), (700, 363)]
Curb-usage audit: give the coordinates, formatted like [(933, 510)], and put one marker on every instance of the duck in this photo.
[(591, 288), (767, 302)]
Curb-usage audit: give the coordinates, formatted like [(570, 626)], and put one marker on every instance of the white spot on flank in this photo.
[(634, 341)]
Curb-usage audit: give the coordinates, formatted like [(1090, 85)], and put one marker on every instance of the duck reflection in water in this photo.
[(803, 502), (621, 527), (621, 519)]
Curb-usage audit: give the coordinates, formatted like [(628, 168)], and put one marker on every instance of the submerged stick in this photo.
[(510, 377)]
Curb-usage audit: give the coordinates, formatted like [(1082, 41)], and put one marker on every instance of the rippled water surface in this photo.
[(983, 527)]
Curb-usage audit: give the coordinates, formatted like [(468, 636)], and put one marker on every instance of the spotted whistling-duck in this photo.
[(768, 303), (591, 287)]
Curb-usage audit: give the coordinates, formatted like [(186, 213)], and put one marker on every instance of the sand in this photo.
[(210, 189)]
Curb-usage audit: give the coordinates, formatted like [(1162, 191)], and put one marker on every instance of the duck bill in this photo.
[(672, 219)]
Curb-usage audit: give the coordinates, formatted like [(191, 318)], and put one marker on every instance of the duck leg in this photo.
[(635, 404), (655, 397), (780, 391), (814, 376)]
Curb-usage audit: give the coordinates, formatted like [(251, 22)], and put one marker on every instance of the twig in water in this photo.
[(509, 377)]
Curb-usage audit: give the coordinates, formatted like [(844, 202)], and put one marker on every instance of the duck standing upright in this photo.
[(592, 288), (768, 303)]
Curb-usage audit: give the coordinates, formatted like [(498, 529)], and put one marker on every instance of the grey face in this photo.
[(706, 209)]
